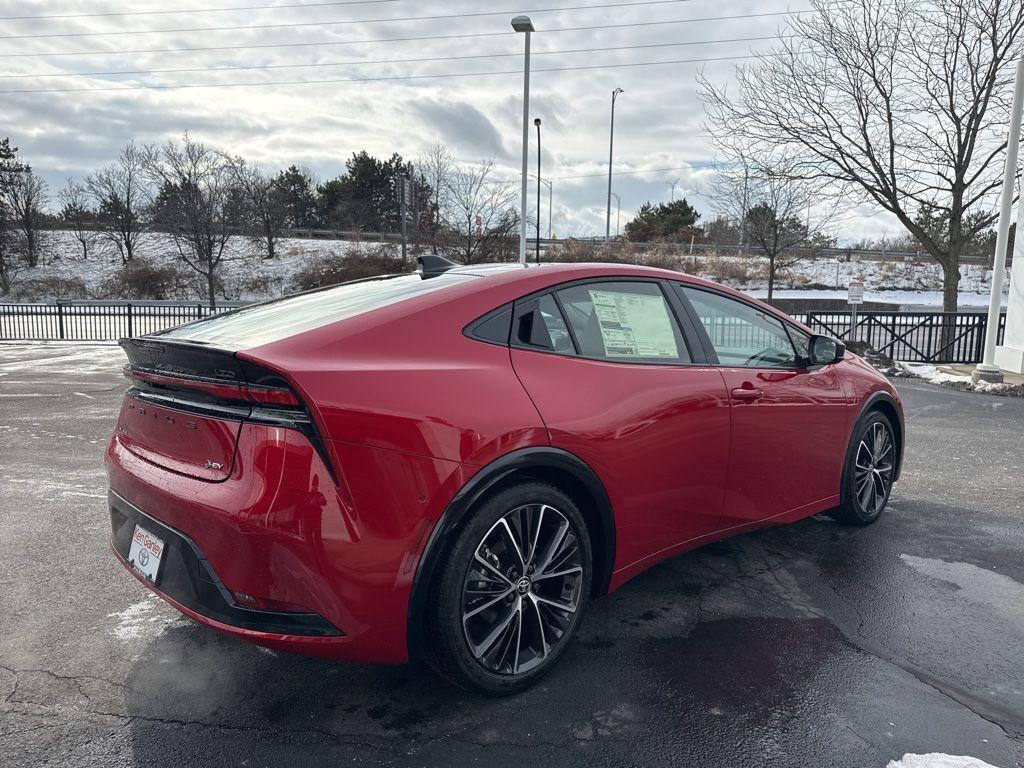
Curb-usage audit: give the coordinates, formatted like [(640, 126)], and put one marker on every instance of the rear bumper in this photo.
[(339, 557), (188, 581)]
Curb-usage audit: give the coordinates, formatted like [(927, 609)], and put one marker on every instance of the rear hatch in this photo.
[(187, 404), (191, 393)]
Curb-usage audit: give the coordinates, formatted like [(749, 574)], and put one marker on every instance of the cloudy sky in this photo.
[(78, 84)]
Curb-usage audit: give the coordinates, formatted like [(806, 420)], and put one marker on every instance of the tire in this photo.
[(867, 478), (492, 628)]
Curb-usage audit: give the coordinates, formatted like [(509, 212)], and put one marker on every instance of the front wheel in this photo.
[(510, 596), (870, 471)]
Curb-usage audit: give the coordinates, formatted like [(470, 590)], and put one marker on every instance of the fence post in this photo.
[(130, 331), (60, 318)]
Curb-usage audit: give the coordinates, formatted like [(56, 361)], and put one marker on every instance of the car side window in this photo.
[(741, 335), (539, 324), (623, 322)]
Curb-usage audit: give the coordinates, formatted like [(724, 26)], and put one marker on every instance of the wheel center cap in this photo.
[(523, 586)]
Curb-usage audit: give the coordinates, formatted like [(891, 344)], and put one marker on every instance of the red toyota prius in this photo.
[(451, 463)]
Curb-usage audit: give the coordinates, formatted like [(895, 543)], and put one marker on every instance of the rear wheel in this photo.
[(870, 471), (511, 593)]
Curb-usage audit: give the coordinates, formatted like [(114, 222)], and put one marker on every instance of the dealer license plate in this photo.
[(145, 553)]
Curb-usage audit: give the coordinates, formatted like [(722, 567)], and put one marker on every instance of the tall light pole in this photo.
[(988, 370), (524, 25), (673, 184), (551, 193), (611, 157), (537, 123), (551, 198), (618, 214)]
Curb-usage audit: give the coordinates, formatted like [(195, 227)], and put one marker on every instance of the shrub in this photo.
[(588, 251), (43, 288), (144, 279), (357, 263), (738, 270)]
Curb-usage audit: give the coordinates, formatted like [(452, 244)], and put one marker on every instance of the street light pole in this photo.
[(618, 213), (524, 25), (673, 184), (611, 156), (551, 194), (988, 370), (551, 199), (537, 123)]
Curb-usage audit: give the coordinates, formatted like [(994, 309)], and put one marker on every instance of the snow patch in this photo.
[(938, 760), (934, 374), (147, 618), (957, 379)]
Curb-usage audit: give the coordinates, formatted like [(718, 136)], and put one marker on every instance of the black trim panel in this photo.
[(187, 577)]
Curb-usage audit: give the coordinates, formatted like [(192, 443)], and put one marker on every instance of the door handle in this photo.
[(747, 394)]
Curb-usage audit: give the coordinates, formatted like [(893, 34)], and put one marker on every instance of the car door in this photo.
[(788, 421), (617, 385)]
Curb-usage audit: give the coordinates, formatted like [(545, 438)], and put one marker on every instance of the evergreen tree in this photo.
[(665, 221), (299, 197)]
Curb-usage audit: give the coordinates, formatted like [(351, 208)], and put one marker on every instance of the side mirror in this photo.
[(823, 350)]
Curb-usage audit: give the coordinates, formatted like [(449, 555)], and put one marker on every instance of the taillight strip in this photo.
[(227, 391)]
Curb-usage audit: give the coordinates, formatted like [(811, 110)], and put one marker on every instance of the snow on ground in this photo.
[(60, 358), (248, 276), (145, 619), (938, 760), (953, 377), (898, 298)]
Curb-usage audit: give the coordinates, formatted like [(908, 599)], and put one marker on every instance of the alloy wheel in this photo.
[(873, 469), (522, 589)]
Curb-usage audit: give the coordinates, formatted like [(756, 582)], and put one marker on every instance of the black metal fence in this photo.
[(913, 337), (921, 337), (97, 321)]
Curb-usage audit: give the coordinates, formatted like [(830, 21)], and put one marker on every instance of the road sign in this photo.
[(856, 292)]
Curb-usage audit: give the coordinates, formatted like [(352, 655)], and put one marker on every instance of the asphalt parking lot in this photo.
[(809, 645)]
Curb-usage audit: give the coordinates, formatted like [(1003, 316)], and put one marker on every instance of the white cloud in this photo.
[(320, 125)]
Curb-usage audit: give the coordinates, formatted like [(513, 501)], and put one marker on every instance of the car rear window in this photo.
[(266, 323)]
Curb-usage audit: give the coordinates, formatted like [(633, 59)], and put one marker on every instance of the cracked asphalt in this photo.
[(809, 645)]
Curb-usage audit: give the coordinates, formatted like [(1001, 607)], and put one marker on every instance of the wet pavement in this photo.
[(809, 645)]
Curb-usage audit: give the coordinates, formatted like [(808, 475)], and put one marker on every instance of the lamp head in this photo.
[(522, 24), (537, 122)]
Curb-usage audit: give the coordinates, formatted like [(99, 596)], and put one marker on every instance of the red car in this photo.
[(449, 464)]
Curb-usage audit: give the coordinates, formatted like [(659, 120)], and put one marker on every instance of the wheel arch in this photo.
[(888, 406), (552, 465)]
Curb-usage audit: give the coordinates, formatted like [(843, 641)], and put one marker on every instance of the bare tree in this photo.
[(905, 101), (436, 168), (266, 210), (772, 207), (77, 213), (197, 203), (479, 214), (26, 201), (121, 192), (10, 168)]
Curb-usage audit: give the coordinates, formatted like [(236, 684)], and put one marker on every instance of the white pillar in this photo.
[(989, 369), (1010, 356)]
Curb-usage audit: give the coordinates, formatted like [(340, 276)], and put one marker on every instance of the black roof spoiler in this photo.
[(433, 266)]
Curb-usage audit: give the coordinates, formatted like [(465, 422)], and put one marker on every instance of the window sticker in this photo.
[(634, 325)]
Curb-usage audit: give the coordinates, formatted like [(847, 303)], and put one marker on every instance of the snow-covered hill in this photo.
[(64, 273)]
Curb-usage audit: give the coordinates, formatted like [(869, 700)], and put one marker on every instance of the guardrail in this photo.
[(913, 337), (922, 337), (98, 320)]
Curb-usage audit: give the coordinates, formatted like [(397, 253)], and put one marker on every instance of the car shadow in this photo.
[(653, 653)]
